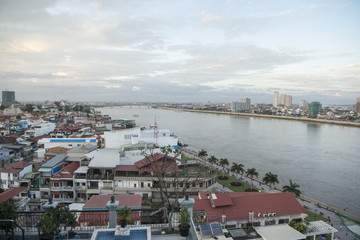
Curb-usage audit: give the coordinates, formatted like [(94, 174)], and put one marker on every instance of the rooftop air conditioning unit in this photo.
[(264, 215), (259, 214)]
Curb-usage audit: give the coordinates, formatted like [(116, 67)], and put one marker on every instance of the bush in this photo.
[(7, 211), (223, 177), (236, 184)]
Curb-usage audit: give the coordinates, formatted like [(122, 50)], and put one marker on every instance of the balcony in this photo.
[(65, 200), (81, 187), (64, 188), (135, 178)]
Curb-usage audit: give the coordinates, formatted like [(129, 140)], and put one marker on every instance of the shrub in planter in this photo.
[(237, 184), (223, 177), (184, 220), (124, 215)]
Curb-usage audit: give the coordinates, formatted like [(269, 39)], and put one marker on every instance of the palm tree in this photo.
[(202, 153), (251, 172), (213, 160), (224, 162), (293, 188), (237, 168), (270, 179)]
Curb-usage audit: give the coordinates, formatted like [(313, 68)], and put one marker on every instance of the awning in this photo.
[(82, 169), (279, 232)]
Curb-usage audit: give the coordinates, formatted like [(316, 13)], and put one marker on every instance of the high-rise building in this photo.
[(303, 104), (245, 104), (282, 99), (288, 101), (8, 98), (276, 99), (357, 107), (314, 109)]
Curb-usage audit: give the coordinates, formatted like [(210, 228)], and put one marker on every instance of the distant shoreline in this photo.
[(349, 124)]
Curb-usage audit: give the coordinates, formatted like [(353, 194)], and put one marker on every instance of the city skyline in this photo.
[(184, 51)]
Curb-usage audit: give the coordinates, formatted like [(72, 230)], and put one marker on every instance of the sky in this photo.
[(180, 51)]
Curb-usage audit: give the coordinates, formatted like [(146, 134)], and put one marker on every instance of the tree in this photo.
[(18, 117), (251, 172), (7, 212), (293, 188), (223, 163), (270, 179), (28, 108), (298, 226), (202, 153), (67, 108), (50, 222), (237, 168), (213, 160), (171, 182)]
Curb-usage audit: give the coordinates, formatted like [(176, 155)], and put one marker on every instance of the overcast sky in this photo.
[(180, 51)]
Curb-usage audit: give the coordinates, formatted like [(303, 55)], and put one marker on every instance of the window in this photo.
[(193, 184), (134, 185), (181, 184), (174, 185), (201, 184)]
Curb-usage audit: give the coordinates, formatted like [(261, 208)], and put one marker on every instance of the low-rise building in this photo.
[(234, 208), (13, 173)]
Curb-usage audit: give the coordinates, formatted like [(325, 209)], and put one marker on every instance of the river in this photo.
[(323, 159)]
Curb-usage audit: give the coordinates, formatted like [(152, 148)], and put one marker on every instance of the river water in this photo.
[(323, 159)]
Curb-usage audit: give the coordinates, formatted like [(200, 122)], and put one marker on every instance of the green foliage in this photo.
[(7, 211), (298, 226), (28, 108), (270, 179), (52, 220), (184, 217), (67, 108), (314, 217), (124, 214), (2, 107), (251, 172), (202, 153), (213, 160), (237, 168), (18, 117), (293, 188)]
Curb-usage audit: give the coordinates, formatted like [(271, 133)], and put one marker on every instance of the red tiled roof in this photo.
[(279, 203), (67, 171), (158, 161), (10, 193), (221, 199), (15, 167), (99, 201), (36, 139)]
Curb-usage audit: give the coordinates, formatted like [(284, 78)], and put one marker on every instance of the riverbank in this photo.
[(261, 184), (349, 124)]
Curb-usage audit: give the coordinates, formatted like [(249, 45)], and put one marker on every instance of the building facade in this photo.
[(288, 101), (8, 98), (314, 108), (276, 99)]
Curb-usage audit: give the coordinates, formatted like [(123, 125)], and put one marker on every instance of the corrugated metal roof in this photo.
[(105, 158), (54, 161)]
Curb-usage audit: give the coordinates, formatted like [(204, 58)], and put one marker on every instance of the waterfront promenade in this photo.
[(313, 205), (304, 119)]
